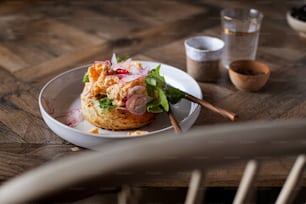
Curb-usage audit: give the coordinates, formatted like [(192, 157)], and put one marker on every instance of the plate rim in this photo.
[(108, 136)]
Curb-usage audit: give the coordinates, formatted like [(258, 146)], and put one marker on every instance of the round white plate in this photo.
[(59, 103)]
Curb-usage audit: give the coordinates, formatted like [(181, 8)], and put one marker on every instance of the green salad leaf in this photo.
[(154, 107), (122, 59), (85, 78), (106, 104), (162, 93), (174, 95)]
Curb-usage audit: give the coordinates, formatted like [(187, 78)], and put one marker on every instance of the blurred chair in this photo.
[(127, 162)]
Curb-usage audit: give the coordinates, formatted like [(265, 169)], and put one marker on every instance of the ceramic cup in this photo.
[(203, 54)]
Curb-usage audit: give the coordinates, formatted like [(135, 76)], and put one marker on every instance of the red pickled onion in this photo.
[(73, 117), (122, 65), (136, 90), (114, 59), (129, 77), (121, 75), (137, 104), (134, 69), (85, 92), (132, 77)]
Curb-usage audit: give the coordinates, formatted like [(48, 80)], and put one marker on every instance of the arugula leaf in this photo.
[(122, 59), (106, 104), (85, 78), (163, 99), (174, 95), (154, 107), (161, 92), (155, 79)]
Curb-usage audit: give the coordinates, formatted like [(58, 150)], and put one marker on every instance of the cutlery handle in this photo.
[(232, 116), (174, 123)]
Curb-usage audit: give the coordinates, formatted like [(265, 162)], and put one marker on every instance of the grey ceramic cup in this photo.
[(203, 55)]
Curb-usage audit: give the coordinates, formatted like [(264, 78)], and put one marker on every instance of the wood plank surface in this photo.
[(41, 39)]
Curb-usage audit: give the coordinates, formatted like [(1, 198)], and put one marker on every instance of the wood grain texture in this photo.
[(40, 39)]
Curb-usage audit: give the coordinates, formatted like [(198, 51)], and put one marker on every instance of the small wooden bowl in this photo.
[(249, 75)]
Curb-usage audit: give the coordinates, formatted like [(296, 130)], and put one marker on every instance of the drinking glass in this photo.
[(240, 33)]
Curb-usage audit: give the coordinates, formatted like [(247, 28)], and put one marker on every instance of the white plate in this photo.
[(59, 103)]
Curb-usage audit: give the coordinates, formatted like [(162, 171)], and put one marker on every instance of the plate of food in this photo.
[(118, 99)]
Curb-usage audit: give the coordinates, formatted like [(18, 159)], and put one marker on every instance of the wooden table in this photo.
[(41, 39)]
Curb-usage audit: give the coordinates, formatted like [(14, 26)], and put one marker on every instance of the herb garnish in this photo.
[(85, 78), (106, 104), (174, 95), (162, 93), (121, 59)]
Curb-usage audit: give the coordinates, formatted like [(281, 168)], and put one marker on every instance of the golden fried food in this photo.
[(113, 119), (114, 95)]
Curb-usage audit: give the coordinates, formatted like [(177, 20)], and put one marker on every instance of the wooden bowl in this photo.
[(249, 75)]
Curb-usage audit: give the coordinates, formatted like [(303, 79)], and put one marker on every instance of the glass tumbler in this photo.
[(240, 33)]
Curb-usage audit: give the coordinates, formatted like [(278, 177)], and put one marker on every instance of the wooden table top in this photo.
[(41, 39)]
